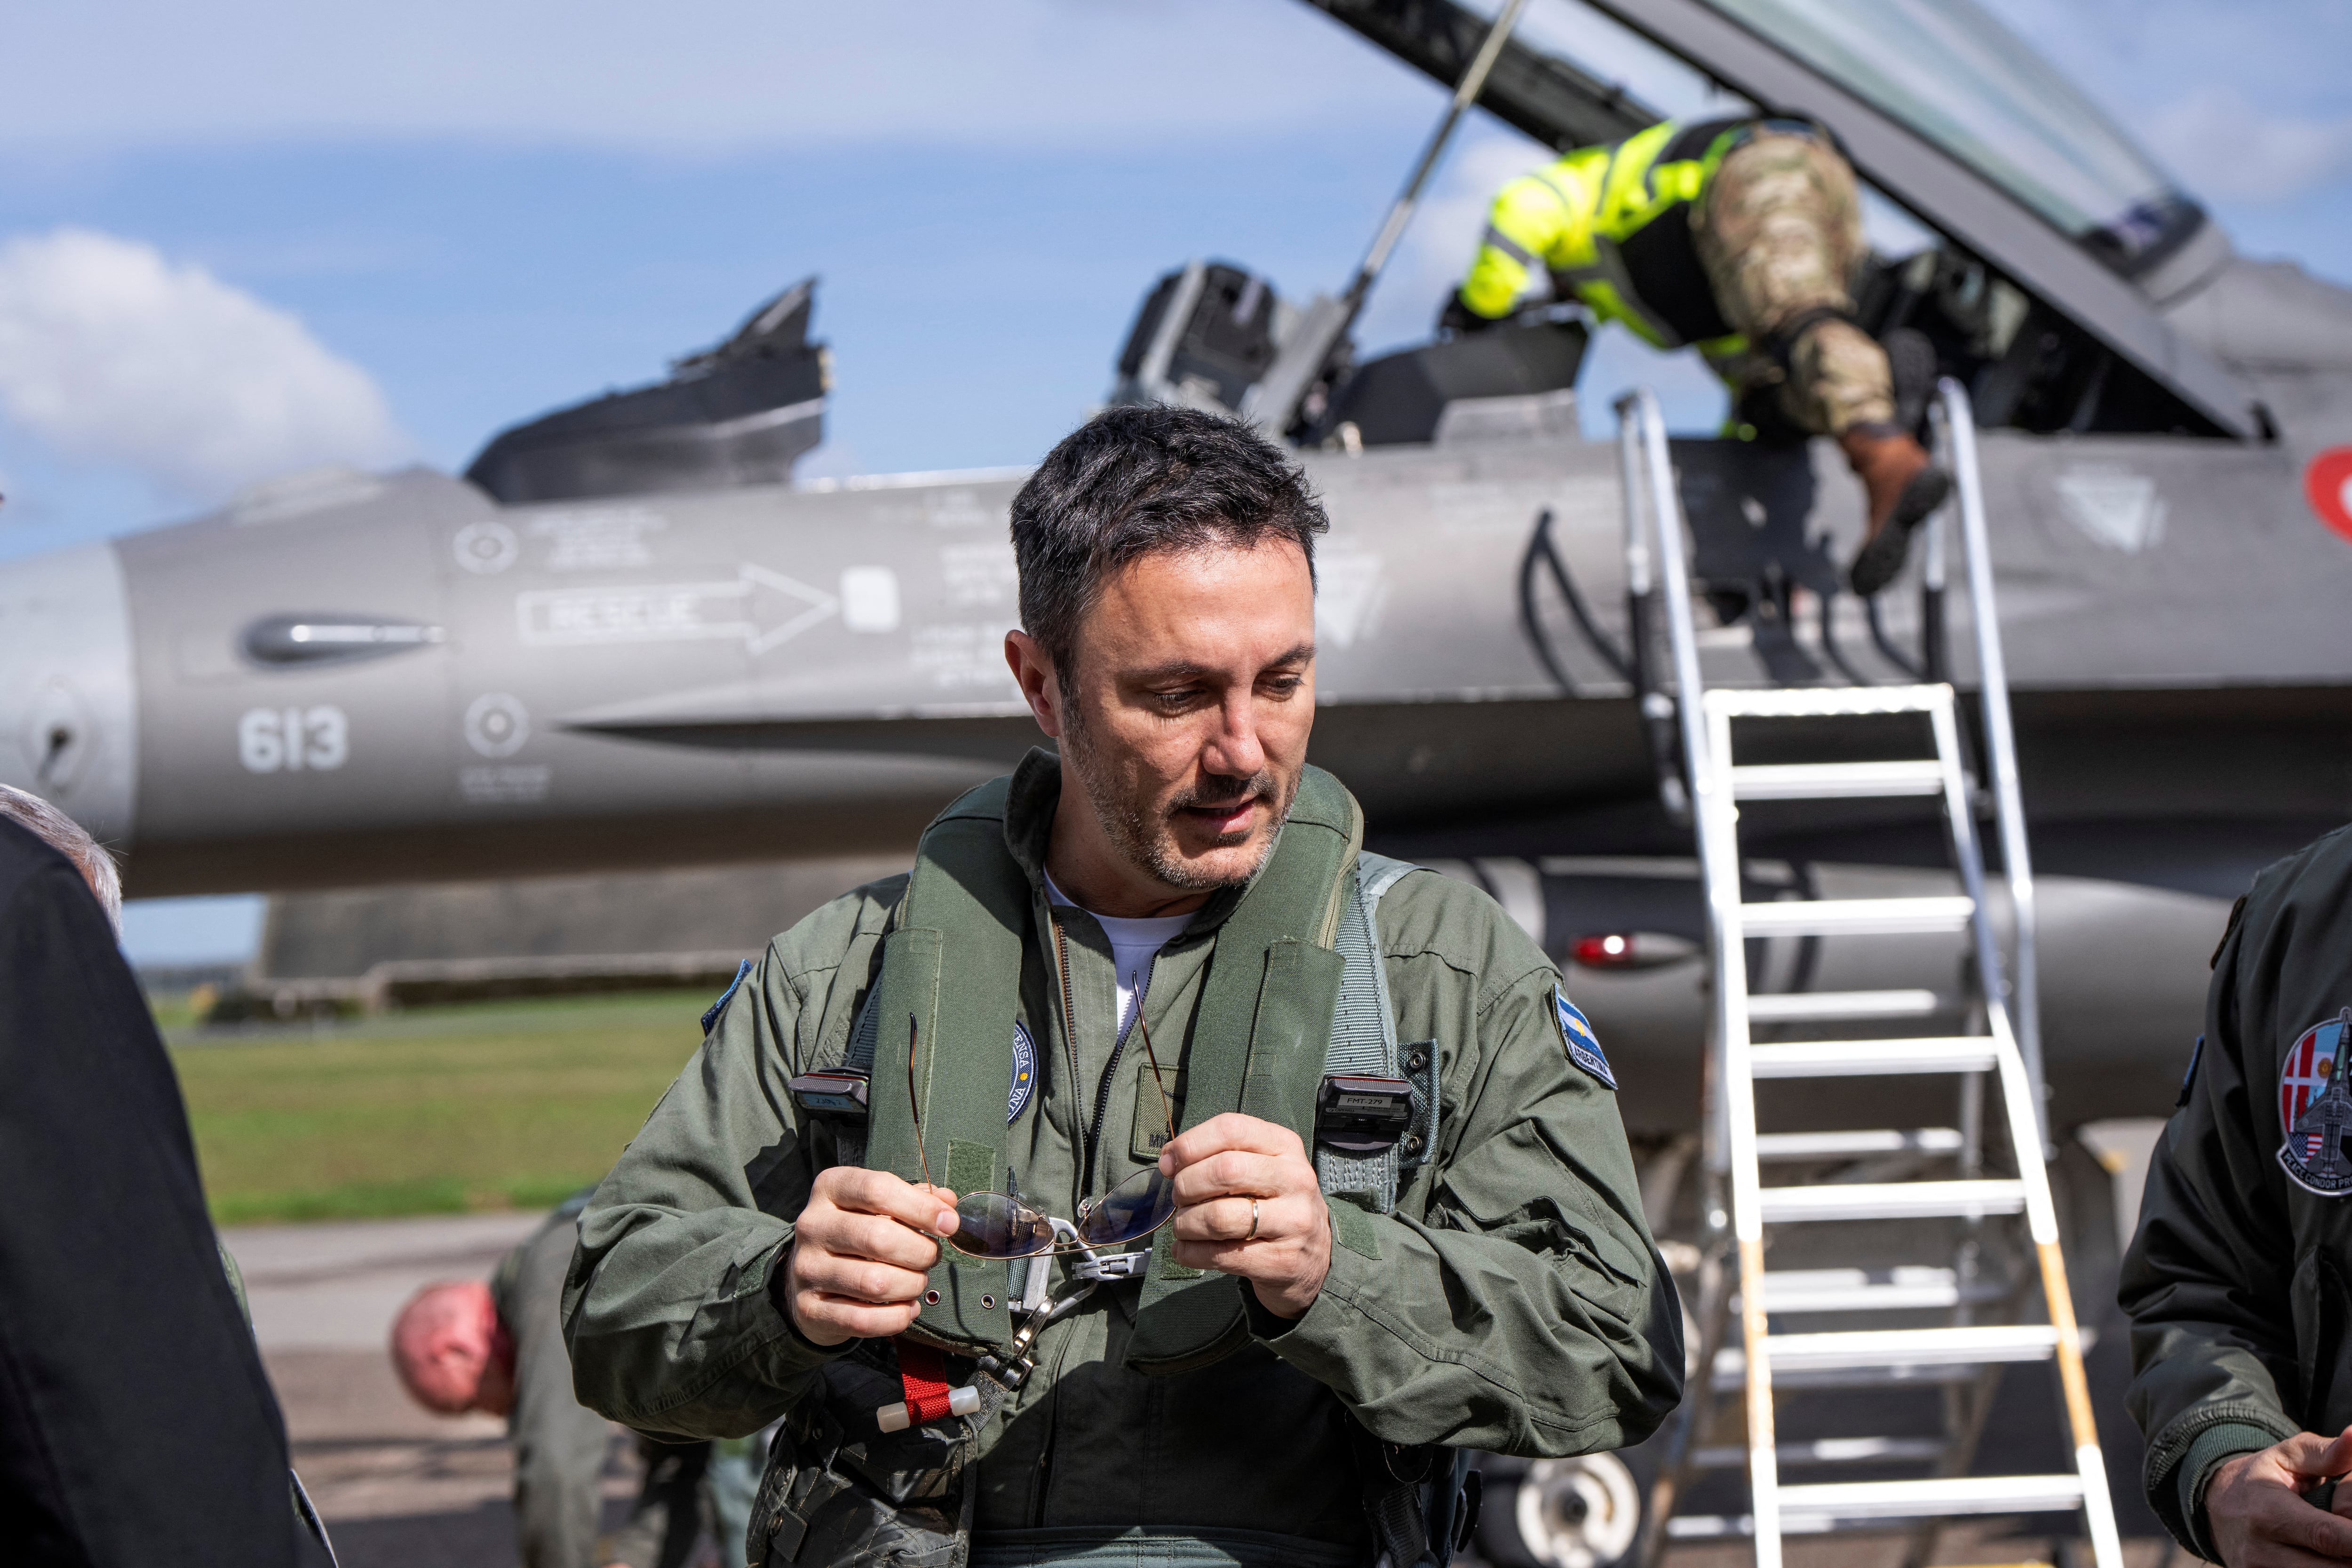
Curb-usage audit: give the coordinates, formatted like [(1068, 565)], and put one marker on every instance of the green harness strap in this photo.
[(1258, 1042), (963, 995)]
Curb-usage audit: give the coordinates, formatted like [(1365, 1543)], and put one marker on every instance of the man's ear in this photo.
[(1034, 673)]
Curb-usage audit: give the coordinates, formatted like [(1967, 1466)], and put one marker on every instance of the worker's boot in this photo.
[(1903, 489)]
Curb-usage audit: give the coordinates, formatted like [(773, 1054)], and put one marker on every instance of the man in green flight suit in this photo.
[(1281, 1323), (1739, 237), (2237, 1281)]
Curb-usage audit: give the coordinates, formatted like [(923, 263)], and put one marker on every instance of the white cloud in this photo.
[(111, 354), (698, 75), (2227, 146)]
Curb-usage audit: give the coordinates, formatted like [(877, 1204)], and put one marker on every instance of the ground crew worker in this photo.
[(1739, 237), (1277, 1325), (498, 1347), (2237, 1281)]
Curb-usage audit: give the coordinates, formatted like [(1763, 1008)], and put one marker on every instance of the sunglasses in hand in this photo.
[(998, 1225)]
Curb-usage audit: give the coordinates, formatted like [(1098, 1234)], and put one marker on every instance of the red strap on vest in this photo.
[(924, 1373)]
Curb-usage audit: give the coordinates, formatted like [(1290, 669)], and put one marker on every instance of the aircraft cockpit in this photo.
[(2021, 238)]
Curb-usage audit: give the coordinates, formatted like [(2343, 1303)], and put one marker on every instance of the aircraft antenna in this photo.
[(1275, 399)]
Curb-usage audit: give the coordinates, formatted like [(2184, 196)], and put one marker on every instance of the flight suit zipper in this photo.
[(1044, 1479), (1069, 1036), (1092, 1132)]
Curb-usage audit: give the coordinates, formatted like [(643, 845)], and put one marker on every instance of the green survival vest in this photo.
[(1296, 989)]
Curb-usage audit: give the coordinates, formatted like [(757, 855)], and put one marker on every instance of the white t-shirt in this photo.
[(1134, 944)]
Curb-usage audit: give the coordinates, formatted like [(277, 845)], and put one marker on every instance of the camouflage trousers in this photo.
[(1779, 233)]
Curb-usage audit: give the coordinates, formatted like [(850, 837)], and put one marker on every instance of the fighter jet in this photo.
[(621, 639)]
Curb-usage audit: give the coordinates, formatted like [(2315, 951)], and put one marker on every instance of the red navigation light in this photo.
[(1612, 951)]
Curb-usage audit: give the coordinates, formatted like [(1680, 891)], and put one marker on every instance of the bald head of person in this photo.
[(452, 1353)]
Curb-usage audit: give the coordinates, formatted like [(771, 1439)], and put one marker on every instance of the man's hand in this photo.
[(2257, 1521), (861, 1248), (1223, 1169)]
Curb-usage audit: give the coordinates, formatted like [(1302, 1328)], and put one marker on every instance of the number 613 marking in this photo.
[(288, 740)]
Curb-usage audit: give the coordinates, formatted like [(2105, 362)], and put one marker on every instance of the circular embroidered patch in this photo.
[(2316, 1108), (1024, 1072)]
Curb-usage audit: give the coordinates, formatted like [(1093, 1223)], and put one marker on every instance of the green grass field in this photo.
[(500, 1105)]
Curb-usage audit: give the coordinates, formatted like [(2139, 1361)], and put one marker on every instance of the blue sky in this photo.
[(259, 233)]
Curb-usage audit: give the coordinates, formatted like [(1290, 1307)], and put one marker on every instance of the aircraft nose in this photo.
[(68, 695)]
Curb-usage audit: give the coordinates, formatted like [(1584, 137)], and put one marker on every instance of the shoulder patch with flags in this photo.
[(1576, 1033), (710, 1014)]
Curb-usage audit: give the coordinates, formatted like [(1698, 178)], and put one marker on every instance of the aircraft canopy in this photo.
[(1966, 83)]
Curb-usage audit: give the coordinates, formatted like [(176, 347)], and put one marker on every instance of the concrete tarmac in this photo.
[(400, 1486), (396, 1485)]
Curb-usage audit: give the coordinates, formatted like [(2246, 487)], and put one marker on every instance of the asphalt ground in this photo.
[(398, 1486)]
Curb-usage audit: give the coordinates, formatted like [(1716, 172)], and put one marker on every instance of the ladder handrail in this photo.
[(1957, 421), (1657, 559), (1645, 463)]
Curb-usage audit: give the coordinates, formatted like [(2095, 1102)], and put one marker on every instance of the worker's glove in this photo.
[(1458, 319)]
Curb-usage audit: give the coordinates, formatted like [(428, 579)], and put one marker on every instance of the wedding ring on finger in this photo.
[(1253, 1229)]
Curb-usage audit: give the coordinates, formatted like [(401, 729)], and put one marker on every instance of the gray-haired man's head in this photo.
[(66, 836)]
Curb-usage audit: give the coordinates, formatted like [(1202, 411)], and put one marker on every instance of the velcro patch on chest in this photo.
[(1576, 1033), (1155, 1114)]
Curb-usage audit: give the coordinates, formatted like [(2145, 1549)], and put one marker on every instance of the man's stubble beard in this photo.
[(1149, 843)]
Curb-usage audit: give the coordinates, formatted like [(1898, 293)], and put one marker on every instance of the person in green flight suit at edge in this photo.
[(1739, 237), (1273, 1176)]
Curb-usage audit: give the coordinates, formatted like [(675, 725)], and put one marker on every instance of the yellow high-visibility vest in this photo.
[(1612, 225)]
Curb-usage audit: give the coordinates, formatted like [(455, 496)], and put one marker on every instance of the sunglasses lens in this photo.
[(1136, 1207), (990, 1225)]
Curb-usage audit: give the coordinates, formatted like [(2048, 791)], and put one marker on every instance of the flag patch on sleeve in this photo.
[(710, 1014), (1576, 1033)]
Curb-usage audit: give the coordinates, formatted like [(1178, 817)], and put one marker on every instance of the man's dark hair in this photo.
[(1133, 480)]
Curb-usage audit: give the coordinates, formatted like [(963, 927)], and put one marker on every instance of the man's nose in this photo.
[(1234, 750)]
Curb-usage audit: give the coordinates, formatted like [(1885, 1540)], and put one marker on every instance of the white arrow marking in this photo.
[(670, 612)]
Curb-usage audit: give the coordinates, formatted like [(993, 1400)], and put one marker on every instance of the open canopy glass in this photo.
[(1962, 81)]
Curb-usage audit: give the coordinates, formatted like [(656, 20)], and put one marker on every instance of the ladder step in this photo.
[(1856, 917), (1822, 1007), (1853, 1059), (1854, 1350), (1932, 1498), (1892, 1200), (1828, 1451), (1725, 1526), (1784, 1146), (1822, 701), (1871, 1289), (1728, 1376), (1836, 781)]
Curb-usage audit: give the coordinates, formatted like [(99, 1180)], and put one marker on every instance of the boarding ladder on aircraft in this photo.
[(1831, 1175)]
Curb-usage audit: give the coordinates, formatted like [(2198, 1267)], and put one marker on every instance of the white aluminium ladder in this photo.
[(1990, 1046)]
